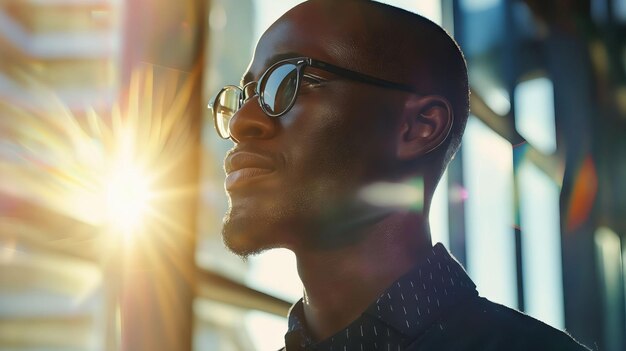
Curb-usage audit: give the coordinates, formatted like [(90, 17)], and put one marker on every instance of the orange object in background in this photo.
[(583, 195)]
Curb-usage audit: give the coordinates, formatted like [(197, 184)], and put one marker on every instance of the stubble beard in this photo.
[(247, 233), (239, 236), (282, 221)]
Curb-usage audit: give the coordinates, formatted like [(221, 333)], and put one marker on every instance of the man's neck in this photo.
[(340, 283)]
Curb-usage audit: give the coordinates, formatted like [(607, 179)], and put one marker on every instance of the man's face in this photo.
[(292, 177)]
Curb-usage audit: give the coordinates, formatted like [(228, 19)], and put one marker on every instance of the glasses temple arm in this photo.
[(360, 76)]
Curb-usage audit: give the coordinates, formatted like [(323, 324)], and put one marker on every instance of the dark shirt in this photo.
[(435, 306)]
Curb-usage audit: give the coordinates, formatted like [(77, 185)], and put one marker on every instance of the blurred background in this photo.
[(111, 192)]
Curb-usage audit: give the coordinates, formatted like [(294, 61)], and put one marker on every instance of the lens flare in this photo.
[(408, 195)]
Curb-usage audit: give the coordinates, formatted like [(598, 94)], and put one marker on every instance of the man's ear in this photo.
[(426, 123)]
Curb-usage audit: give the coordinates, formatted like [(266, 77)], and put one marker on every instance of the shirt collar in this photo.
[(410, 305), (419, 297)]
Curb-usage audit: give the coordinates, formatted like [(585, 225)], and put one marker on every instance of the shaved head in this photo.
[(400, 46)]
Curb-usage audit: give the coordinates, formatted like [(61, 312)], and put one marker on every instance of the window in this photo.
[(534, 113), (541, 245), (488, 176)]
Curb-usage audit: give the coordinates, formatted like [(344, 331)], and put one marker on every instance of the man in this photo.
[(343, 96)]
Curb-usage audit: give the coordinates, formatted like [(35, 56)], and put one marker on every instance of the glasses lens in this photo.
[(278, 89), (225, 106)]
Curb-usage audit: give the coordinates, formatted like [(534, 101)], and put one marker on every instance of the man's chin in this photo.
[(245, 239)]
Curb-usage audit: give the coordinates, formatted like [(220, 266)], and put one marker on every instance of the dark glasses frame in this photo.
[(300, 63)]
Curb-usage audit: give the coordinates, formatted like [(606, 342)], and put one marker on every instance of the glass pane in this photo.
[(497, 98), (478, 5), (488, 176), (266, 331), (620, 10), (268, 11), (275, 273), (541, 245), (608, 249), (534, 113)]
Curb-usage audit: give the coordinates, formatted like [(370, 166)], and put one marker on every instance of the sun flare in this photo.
[(128, 195), (105, 175)]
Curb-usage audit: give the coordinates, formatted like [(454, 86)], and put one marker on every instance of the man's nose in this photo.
[(250, 122)]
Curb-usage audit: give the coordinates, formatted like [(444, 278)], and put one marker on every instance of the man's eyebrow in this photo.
[(249, 77), (279, 57)]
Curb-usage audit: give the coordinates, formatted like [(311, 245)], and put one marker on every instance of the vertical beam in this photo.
[(510, 67), (164, 41)]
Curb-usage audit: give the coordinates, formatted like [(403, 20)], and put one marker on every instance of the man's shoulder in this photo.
[(480, 324), (493, 316)]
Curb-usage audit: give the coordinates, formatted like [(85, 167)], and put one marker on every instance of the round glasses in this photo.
[(277, 90)]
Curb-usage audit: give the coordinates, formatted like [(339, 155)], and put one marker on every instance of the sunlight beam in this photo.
[(128, 196)]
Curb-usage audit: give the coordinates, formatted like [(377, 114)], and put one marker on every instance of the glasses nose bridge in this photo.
[(249, 90), (250, 121)]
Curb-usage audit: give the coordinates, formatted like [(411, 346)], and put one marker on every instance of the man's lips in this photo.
[(244, 167)]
